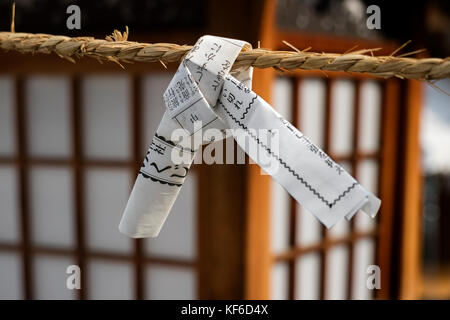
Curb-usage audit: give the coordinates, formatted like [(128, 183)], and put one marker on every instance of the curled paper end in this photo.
[(372, 206), (145, 214)]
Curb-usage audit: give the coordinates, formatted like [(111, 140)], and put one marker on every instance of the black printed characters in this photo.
[(157, 165), (157, 147), (225, 67), (181, 92), (209, 56), (238, 97), (312, 147)]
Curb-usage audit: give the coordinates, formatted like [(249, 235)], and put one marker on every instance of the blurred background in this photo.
[(72, 137)]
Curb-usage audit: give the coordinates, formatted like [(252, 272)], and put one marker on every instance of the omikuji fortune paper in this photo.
[(203, 95)]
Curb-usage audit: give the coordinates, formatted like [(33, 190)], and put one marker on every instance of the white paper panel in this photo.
[(309, 229), (312, 110), (178, 236), (106, 196), (280, 217), (170, 283), (110, 280), (340, 229), (107, 116), (52, 206), (434, 129), (50, 278), (9, 206), (307, 285), (48, 115), (370, 116), (337, 273), (10, 276), (282, 97), (7, 117), (364, 253), (153, 106), (368, 177), (342, 100), (280, 278)]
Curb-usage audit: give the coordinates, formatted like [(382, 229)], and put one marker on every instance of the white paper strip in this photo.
[(306, 172), (195, 86)]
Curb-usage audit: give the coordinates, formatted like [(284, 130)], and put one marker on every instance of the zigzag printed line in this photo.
[(249, 106), (173, 143), (160, 181), (344, 193), (157, 169), (282, 162)]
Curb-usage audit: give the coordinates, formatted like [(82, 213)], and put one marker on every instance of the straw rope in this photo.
[(116, 48)]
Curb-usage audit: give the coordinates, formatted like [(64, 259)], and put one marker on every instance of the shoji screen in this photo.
[(70, 147), (11, 279), (342, 116)]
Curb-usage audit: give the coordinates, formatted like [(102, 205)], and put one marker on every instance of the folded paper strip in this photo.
[(204, 92)]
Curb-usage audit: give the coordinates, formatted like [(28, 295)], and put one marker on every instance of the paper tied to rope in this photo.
[(190, 98), (202, 90)]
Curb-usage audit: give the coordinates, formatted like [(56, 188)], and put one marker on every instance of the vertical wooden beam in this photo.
[(354, 162), (136, 112), (77, 142), (221, 231), (25, 217), (412, 196), (223, 189), (258, 257), (295, 110), (387, 183), (327, 148)]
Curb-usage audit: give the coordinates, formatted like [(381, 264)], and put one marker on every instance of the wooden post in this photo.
[(233, 207), (258, 257), (410, 263), (388, 178)]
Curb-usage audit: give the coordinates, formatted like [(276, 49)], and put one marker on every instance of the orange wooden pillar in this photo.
[(410, 260), (234, 257), (258, 255), (388, 177)]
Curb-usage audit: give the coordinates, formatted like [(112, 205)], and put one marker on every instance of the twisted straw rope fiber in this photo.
[(116, 48)]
